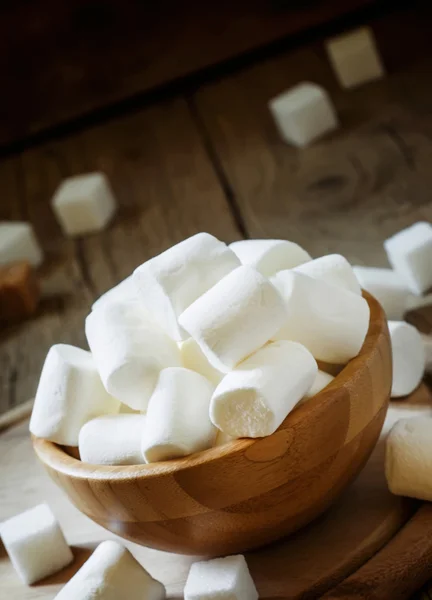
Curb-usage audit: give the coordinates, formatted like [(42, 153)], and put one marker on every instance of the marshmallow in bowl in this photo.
[(270, 256), (387, 287), (194, 359), (322, 380), (408, 358), (334, 269)]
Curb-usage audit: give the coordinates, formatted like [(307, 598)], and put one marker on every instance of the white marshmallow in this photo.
[(408, 358), (418, 301), (112, 440), (331, 322), (69, 394), (35, 544), (112, 573), (123, 292), (220, 579), (355, 58), (408, 464), (303, 114), (84, 204), (235, 318), (322, 380), (255, 397), (129, 350), (222, 438), (410, 254), (194, 359), (177, 420), (387, 287), (427, 347), (334, 269), (18, 242), (170, 282), (269, 256)]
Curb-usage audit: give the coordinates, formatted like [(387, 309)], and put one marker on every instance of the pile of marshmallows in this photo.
[(202, 344)]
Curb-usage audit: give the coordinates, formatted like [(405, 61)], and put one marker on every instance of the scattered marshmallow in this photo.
[(84, 204), (112, 440), (408, 464), (129, 350), (177, 421), (322, 380), (18, 242), (410, 254), (111, 573), (220, 579), (69, 394), (331, 322), (387, 287), (408, 358), (170, 282), (235, 317), (194, 359), (123, 292), (334, 269), (355, 57), (303, 114), (255, 397), (35, 544), (270, 256)]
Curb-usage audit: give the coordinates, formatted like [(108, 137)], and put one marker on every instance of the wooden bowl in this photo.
[(249, 492)]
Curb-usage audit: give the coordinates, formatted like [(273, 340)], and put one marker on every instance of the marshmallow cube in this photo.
[(235, 318), (220, 579), (270, 256), (129, 350), (408, 358), (18, 243), (331, 322), (408, 463), (303, 114), (334, 269), (194, 359), (355, 58), (112, 440), (254, 399), (35, 544), (69, 394), (170, 282), (322, 380), (112, 573), (84, 204), (410, 254), (387, 287), (123, 292), (177, 420)]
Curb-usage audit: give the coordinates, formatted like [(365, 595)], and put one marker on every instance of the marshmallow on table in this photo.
[(194, 359), (84, 204), (256, 396), (170, 282), (35, 544), (387, 287), (408, 358), (410, 254), (112, 440), (334, 269), (303, 114), (322, 380), (331, 322), (270, 256), (177, 421), (112, 573), (235, 317), (220, 579), (129, 350), (18, 242), (123, 291), (355, 58), (69, 394)]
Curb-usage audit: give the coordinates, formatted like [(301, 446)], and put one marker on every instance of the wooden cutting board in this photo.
[(366, 522)]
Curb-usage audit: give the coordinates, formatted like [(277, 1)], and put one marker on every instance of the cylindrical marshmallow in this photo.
[(194, 359), (69, 394), (235, 318), (334, 269), (177, 421), (408, 358), (123, 291), (408, 464), (427, 347), (255, 397), (222, 438), (112, 573), (322, 380), (331, 322), (270, 256), (170, 282), (112, 440), (387, 287), (129, 350)]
